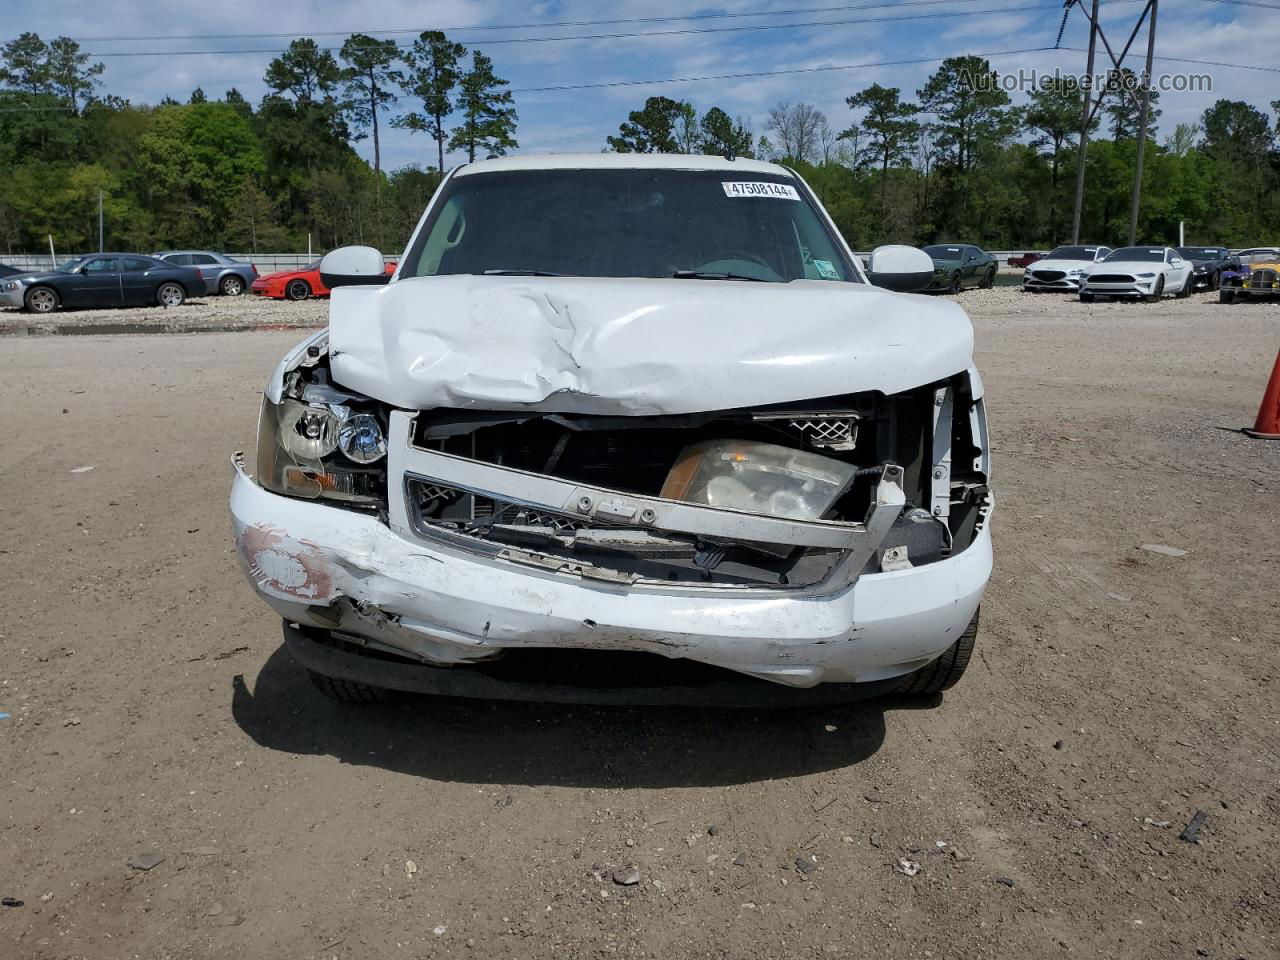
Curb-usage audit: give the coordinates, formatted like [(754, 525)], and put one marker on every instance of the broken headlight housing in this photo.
[(322, 451), (758, 478)]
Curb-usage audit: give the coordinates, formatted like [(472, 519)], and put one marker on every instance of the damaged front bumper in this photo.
[(402, 591)]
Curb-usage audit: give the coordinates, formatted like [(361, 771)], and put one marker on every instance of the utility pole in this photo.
[(100, 247), (1142, 126), (1092, 106), (1087, 88)]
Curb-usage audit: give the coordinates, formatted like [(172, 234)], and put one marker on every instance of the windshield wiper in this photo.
[(716, 275), (524, 273)]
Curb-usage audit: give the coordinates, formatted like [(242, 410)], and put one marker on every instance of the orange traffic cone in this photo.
[(1267, 426)]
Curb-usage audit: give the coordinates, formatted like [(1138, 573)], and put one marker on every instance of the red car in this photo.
[(296, 284), (1025, 259)]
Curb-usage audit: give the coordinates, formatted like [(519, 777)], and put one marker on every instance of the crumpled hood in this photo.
[(635, 346)]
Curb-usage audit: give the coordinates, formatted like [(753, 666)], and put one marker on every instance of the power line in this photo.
[(1200, 63), (638, 34), (536, 26)]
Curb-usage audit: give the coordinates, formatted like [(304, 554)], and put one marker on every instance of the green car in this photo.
[(960, 265)]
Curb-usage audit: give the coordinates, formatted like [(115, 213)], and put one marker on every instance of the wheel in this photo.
[(231, 286), (1155, 295), (349, 691), (297, 290), (1215, 280), (1226, 295), (955, 287), (171, 295), (989, 280), (1185, 292), (42, 300), (1086, 297), (946, 671)]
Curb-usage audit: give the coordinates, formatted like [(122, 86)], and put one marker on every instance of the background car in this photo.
[(103, 280), (1207, 264), (960, 265), (1024, 259), (296, 284), (1063, 269), (1271, 253), (221, 273), (1257, 278), (1147, 272)]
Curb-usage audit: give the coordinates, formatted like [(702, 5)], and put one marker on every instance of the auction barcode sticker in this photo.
[(759, 188)]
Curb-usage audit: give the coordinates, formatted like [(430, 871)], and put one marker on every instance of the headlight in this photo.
[(758, 478), (11, 285), (298, 446), (1145, 276), (1075, 273)]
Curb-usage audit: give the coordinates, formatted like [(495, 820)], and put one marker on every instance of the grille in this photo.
[(1048, 275), (828, 431), (1263, 278), (1110, 278)]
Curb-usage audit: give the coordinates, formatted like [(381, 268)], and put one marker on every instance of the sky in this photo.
[(154, 48)]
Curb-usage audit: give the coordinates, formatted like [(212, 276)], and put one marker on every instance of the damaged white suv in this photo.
[(613, 406)]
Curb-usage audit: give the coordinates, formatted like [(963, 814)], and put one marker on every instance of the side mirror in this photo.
[(352, 266), (899, 267)]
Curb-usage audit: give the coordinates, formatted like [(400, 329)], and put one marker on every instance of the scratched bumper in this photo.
[(326, 567)]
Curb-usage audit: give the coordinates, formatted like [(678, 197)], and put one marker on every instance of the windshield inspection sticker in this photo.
[(827, 269), (759, 188)]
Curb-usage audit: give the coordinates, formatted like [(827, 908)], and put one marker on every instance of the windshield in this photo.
[(69, 266), (627, 223), (940, 251), (1202, 253), (1072, 253), (1139, 254)]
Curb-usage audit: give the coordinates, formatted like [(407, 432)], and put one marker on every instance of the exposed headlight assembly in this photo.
[(758, 478), (321, 450)]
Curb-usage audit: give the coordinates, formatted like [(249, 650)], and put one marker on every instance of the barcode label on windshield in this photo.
[(759, 188)]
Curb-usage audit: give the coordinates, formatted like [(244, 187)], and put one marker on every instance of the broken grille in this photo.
[(828, 431)]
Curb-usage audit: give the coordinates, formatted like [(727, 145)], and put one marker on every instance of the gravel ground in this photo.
[(202, 315), (155, 720)]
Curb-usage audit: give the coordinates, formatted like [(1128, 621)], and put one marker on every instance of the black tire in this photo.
[(1157, 294), (955, 285), (297, 290), (42, 300), (349, 691), (1087, 298), (945, 672), (170, 295), (1226, 295), (1185, 292), (1215, 280), (989, 280), (231, 286)]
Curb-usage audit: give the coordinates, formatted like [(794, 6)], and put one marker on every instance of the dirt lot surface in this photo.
[(1117, 692), (204, 314)]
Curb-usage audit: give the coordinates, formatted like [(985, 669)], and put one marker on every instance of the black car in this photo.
[(1207, 264), (103, 280)]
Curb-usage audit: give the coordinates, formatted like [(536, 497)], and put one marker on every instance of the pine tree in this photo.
[(433, 75), (489, 119)]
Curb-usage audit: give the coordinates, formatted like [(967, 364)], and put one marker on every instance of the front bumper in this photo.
[(330, 568), (1065, 285), (13, 298), (1141, 288)]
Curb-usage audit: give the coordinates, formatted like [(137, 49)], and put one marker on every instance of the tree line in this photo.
[(959, 161), (228, 174), (962, 162)]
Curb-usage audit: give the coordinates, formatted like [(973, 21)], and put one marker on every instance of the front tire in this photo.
[(955, 286), (231, 286), (1226, 295), (297, 290), (1086, 297), (171, 295), (349, 691), (989, 280), (1155, 295), (42, 300), (945, 672), (1185, 292)]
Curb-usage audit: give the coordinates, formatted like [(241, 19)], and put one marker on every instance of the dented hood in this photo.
[(635, 346)]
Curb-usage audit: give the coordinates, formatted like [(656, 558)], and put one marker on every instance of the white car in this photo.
[(1062, 269), (1147, 272), (618, 410)]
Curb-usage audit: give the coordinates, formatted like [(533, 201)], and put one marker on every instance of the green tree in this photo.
[(1237, 132), (891, 129), (655, 128), (1054, 113), (371, 83), (305, 71), (433, 76), (1122, 88), (488, 117), (722, 135), (971, 109), (253, 221), (70, 73), (26, 63), (197, 96)]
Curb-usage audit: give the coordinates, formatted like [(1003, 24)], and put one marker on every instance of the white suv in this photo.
[(616, 406)]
